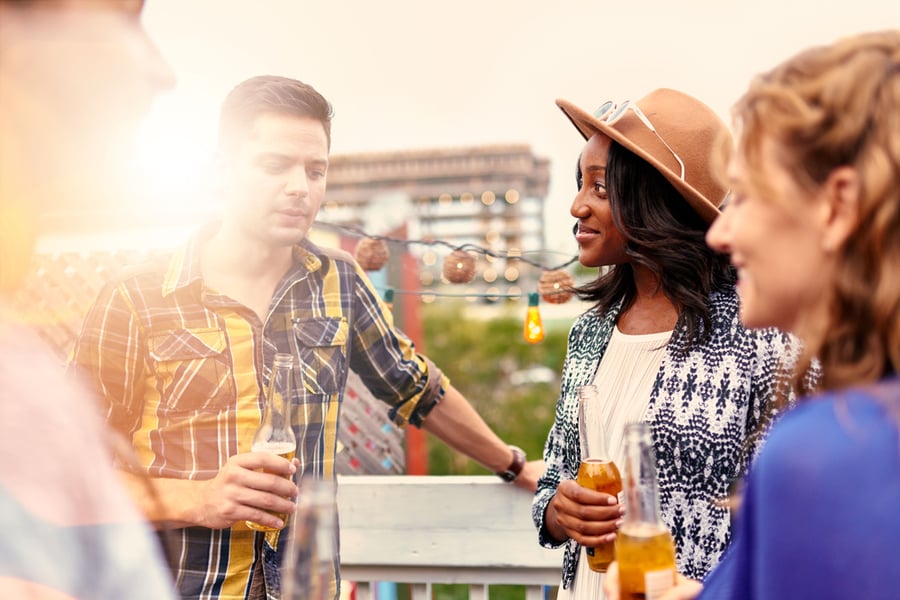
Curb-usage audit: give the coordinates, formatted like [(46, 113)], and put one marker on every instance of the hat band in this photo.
[(609, 113)]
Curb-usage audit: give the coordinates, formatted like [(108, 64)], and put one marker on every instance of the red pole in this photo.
[(416, 442), (408, 317)]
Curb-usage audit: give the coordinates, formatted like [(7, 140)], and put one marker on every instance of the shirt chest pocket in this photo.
[(192, 368), (322, 347)]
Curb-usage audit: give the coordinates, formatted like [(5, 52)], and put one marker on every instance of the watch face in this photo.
[(515, 468)]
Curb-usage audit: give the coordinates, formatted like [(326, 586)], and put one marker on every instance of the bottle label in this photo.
[(658, 583)]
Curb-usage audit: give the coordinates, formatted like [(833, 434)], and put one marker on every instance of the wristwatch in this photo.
[(513, 470)]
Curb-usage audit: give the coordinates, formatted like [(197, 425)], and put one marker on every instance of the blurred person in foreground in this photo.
[(814, 231), (75, 77), (182, 351), (663, 342)]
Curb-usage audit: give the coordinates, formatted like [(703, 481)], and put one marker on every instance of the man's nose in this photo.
[(297, 183)]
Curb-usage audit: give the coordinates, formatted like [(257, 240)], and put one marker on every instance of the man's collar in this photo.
[(307, 254), (184, 269)]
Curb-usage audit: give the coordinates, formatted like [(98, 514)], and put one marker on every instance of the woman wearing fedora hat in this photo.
[(663, 341), (816, 178)]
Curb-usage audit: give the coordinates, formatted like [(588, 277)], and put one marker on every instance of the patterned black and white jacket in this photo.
[(705, 405)]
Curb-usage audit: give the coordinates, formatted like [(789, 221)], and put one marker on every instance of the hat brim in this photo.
[(589, 125)]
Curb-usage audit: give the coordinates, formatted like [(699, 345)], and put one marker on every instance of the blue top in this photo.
[(821, 512)]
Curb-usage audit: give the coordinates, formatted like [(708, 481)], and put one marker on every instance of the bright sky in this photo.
[(412, 74)]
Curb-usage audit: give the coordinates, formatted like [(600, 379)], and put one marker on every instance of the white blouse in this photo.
[(624, 381)]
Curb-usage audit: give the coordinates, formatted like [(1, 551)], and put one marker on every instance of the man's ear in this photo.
[(841, 207)]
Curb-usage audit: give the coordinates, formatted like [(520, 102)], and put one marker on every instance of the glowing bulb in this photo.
[(534, 328)]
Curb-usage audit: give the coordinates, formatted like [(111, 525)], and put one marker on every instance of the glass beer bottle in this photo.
[(275, 433), (309, 568), (645, 549), (597, 470)]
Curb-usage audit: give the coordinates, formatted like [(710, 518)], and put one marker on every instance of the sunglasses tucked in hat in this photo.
[(678, 135)]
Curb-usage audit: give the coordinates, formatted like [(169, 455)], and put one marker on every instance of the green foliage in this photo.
[(461, 592), (447, 591), (582, 273), (479, 357)]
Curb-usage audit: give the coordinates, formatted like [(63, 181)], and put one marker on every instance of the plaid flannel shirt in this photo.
[(182, 372)]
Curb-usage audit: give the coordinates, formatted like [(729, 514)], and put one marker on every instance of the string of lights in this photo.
[(554, 286), (533, 331), (466, 247), (436, 294)]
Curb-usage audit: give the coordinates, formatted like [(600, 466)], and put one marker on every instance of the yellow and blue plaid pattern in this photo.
[(182, 370)]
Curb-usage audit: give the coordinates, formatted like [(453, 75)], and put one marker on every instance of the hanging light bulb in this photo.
[(556, 286), (459, 266), (534, 327), (372, 253)]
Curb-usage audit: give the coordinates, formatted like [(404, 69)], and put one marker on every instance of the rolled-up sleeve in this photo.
[(387, 360)]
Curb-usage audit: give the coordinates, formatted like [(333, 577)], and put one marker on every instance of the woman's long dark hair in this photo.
[(665, 235)]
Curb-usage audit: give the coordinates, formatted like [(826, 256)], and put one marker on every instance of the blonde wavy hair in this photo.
[(828, 107)]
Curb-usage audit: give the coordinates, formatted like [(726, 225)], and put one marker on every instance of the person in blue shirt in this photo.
[(813, 228)]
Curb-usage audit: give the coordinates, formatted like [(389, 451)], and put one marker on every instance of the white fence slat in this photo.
[(423, 530)]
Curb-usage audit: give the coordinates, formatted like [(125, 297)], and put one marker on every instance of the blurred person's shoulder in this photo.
[(33, 380), (70, 522), (43, 410), (841, 427)]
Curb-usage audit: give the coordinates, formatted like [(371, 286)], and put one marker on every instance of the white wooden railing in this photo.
[(422, 530)]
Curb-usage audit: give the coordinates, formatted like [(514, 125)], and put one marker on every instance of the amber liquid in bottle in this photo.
[(645, 549), (601, 475), (597, 470), (275, 433), (646, 561), (284, 450)]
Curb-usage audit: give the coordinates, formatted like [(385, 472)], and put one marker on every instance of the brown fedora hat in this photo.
[(692, 131)]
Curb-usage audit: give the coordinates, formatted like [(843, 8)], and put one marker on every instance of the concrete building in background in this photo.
[(489, 197)]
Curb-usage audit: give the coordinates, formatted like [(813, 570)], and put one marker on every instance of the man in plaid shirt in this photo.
[(181, 351)]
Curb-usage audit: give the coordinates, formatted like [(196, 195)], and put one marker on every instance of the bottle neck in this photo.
[(591, 432), (639, 480), (276, 427)]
